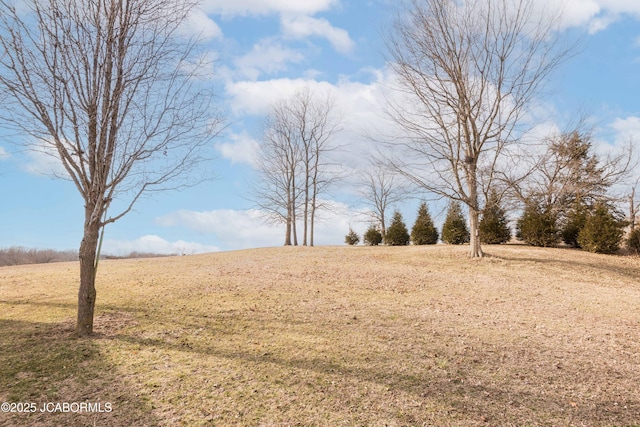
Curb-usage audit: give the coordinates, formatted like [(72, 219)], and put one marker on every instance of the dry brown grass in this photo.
[(332, 336)]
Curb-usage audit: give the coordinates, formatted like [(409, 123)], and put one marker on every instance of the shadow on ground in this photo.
[(44, 364)]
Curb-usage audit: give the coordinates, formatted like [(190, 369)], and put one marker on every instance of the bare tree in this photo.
[(279, 158), (466, 71), (110, 87), (380, 189), (568, 172), (293, 165)]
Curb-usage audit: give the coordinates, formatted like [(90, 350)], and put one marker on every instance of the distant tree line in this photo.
[(17, 255)]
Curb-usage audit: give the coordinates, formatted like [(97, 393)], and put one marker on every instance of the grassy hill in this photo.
[(329, 336)]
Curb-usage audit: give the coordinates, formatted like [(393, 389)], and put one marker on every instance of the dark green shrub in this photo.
[(397, 234), (424, 232), (493, 227), (537, 227), (351, 238), (373, 236), (454, 229), (602, 231), (633, 241), (576, 219)]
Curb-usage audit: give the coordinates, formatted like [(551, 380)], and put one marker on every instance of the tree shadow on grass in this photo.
[(44, 364), (466, 391), (627, 271)]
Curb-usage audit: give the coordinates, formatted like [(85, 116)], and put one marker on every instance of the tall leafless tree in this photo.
[(294, 166), (380, 189), (275, 192), (111, 88), (466, 71)]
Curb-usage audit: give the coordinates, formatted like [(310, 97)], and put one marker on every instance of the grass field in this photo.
[(330, 336)]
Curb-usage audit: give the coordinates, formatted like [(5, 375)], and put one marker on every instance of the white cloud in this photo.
[(579, 12), (267, 56), (240, 149), (232, 229), (156, 245), (235, 229), (595, 15), (296, 19), (44, 160), (262, 7), (359, 104), (627, 129), (4, 154), (356, 99), (199, 24), (255, 97), (300, 27)]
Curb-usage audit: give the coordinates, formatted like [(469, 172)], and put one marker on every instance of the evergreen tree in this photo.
[(352, 238), (397, 234), (423, 231), (373, 236), (602, 231), (575, 221), (454, 229), (633, 241), (493, 226), (537, 226)]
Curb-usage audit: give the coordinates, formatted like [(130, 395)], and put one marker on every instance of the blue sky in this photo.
[(265, 50)]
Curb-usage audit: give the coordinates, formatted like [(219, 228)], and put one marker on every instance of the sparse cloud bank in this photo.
[(154, 245), (242, 229)]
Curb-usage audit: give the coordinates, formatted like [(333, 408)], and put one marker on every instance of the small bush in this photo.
[(397, 234), (352, 238), (633, 241), (602, 231), (537, 227), (373, 236), (423, 231), (454, 229), (493, 227)]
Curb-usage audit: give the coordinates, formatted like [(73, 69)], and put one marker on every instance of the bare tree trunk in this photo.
[(474, 212), (87, 291), (287, 235), (293, 213), (313, 214), (313, 211), (476, 248), (306, 198)]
